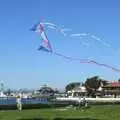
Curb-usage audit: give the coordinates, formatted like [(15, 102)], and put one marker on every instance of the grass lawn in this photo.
[(101, 112)]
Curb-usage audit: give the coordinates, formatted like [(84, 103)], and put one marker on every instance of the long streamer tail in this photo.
[(87, 61)]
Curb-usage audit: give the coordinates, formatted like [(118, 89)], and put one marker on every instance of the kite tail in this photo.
[(68, 57), (89, 61), (100, 64)]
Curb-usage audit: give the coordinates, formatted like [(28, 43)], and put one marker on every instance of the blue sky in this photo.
[(22, 66)]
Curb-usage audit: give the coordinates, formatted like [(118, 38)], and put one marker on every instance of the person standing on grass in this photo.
[(79, 102), (19, 102), (85, 104)]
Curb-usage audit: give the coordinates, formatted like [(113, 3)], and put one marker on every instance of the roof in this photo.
[(113, 84)]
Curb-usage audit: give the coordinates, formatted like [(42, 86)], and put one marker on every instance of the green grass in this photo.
[(103, 112)]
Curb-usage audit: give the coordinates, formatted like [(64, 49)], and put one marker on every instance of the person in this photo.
[(85, 104), (79, 103), (19, 103)]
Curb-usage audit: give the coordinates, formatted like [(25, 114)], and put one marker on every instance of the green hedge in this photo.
[(25, 106), (32, 106), (53, 105), (104, 103)]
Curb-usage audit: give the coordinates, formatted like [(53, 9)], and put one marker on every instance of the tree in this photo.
[(92, 84), (46, 91), (70, 86), (119, 80)]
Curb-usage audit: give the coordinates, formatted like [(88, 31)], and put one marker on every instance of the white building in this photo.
[(78, 91)]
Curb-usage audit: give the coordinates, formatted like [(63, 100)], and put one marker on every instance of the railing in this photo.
[(90, 99)]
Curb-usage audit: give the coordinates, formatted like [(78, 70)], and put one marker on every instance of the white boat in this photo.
[(2, 95)]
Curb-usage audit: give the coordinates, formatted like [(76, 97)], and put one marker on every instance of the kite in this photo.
[(40, 29), (46, 46)]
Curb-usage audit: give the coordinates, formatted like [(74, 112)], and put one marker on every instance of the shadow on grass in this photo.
[(58, 119)]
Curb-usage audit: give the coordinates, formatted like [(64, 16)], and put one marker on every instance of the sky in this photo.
[(23, 66)]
